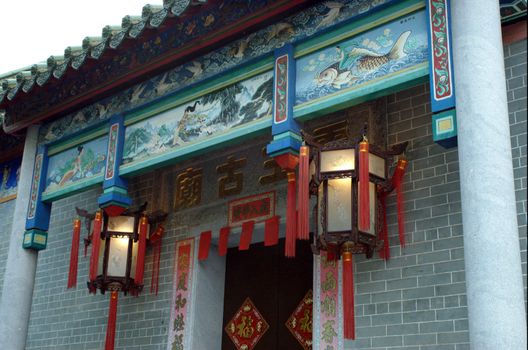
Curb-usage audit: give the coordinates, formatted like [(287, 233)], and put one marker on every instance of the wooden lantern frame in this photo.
[(354, 240)]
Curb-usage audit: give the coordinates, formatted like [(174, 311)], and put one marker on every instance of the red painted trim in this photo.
[(188, 50), (514, 32)]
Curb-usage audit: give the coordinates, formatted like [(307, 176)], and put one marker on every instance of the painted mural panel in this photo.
[(9, 175), (208, 115), (79, 163), (294, 28), (362, 59)]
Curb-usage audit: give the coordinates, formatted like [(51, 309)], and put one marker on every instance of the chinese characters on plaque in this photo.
[(187, 192)]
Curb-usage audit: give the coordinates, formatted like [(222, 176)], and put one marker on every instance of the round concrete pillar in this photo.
[(19, 276), (491, 242)]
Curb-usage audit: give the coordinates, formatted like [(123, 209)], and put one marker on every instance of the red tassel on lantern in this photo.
[(291, 217), (142, 246), (74, 254), (112, 316), (303, 229), (271, 231), (364, 196), (155, 240), (205, 243), (222, 240), (245, 236), (96, 241), (384, 234), (348, 296), (397, 182)]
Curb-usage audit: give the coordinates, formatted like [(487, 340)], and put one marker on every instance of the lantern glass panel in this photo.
[(123, 224), (376, 165), (337, 160), (373, 212), (117, 256), (339, 205)]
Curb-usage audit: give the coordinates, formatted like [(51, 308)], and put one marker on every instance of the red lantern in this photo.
[(349, 178)]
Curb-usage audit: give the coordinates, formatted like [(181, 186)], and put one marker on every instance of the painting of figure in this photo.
[(9, 175), (376, 53), (213, 113), (78, 163)]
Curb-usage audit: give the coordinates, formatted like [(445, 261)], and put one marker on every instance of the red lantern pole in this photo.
[(364, 196), (291, 217), (348, 294), (384, 233), (74, 254), (397, 182), (96, 241), (112, 316), (303, 225), (142, 246)]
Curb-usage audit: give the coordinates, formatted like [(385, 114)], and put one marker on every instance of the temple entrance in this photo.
[(263, 289)]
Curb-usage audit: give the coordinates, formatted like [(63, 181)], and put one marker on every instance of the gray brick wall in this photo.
[(417, 299), (414, 301), (515, 64), (73, 319), (6, 213)]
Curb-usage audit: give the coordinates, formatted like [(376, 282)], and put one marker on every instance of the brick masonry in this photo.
[(516, 80), (6, 213), (414, 301)]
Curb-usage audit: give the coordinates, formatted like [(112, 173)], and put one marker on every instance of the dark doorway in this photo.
[(274, 284)]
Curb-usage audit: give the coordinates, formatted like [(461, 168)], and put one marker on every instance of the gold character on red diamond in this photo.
[(306, 321), (245, 328)]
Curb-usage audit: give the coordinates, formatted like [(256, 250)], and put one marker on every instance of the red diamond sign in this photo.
[(247, 326), (300, 321)]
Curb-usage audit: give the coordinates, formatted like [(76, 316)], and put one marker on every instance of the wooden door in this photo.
[(275, 285)]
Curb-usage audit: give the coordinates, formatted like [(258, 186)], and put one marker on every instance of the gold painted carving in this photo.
[(233, 181), (276, 174), (188, 189)]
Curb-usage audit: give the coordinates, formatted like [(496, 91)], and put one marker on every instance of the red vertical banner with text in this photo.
[(328, 313), (179, 336)]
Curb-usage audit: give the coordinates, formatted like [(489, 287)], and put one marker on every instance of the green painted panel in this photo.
[(236, 135), (370, 90), (361, 25), (76, 187)]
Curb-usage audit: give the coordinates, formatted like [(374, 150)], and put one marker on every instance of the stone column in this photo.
[(491, 242), (19, 277)]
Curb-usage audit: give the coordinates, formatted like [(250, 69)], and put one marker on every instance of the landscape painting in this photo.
[(9, 175), (369, 56), (75, 164), (208, 115)]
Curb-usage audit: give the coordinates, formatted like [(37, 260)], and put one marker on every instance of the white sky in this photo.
[(33, 30)]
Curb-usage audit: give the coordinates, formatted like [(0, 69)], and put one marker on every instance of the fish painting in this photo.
[(357, 62)]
